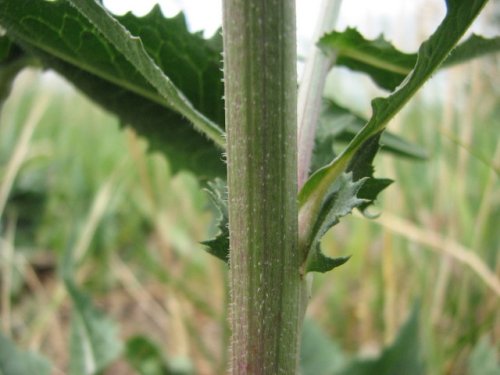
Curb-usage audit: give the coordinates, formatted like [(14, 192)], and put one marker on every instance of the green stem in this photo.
[(260, 91), (311, 89)]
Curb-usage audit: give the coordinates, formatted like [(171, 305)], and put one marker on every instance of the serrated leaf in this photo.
[(459, 16), (340, 201), (219, 246), (132, 48), (67, 42), (319, 355), (14, 361), (338, 124), (388, 66), (474, 46), (484, 359), (402, 357), (378, 58), (361, 166)]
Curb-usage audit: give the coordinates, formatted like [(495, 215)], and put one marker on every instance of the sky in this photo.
[(394, 18), (371, 17), (405, 23)]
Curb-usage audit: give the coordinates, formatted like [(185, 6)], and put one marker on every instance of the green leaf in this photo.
[(361, 167), (432, 53), (67, 42), (386, 65), (147, 359), (338, 124), (94, 342), (484, 359), (319, 355), (378, 58), (5, 46), (475, 46), (12, 61), (402, 357), (340, 201), (219, 246), (14, 361), (134, 51)]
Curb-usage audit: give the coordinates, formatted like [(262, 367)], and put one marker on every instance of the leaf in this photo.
[(134, 51), (338, 124), (340, 201), (219, 246), (67, 42), (432, 53), (17, 362), (484, 359), (378, 58), (361, 167), (94, 342), (12, 61), (147, 359), (319, 355), (386, 65), (475, 46), (5, 47), (402, 357)]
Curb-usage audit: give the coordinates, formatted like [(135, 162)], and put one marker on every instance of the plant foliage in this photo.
[(61, 38), (432, 53), (17, 362)]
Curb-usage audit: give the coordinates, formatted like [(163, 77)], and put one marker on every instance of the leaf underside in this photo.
[(131, 48), (12, 61), (385, 64), (67, 42)]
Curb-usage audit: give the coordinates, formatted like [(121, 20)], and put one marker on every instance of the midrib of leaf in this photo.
[(373, 61), (432, 53), (99, 73), (132, 48)]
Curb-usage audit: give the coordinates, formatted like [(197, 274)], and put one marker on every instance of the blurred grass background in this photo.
[(80, 181)]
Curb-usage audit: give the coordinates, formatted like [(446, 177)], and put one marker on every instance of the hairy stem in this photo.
[(260, 91)]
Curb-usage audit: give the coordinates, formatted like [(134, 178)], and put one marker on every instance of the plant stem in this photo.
[(260, 91), (311, 89)]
